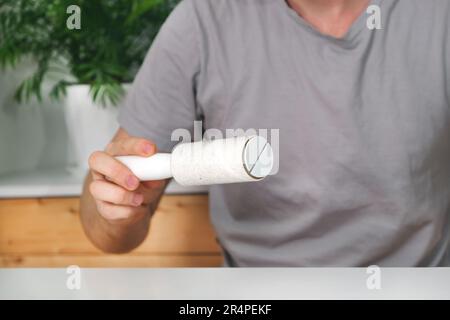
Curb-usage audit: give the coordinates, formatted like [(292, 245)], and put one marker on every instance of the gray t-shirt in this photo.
[(364, 141)]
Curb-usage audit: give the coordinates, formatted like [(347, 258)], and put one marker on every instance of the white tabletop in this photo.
[(225, 283)]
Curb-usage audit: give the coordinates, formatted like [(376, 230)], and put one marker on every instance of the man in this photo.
[(364, 119)]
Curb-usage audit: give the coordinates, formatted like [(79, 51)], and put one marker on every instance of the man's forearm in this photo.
[(113, 237)]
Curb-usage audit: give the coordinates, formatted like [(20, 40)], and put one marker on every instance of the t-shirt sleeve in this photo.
[(162, 96)]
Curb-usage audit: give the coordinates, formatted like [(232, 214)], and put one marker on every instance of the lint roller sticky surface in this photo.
[(231, 160)]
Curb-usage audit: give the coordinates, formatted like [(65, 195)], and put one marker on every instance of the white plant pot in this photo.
[(89, 126)]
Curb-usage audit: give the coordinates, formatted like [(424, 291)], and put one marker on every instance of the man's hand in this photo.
[(118, 194), (116, 207)]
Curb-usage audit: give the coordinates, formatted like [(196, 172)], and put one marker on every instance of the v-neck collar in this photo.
[(356, 27)]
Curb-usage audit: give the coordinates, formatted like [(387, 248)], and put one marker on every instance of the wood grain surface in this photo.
[(48, 233)]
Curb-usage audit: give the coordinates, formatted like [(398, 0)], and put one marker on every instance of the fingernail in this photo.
[(148, 148), (132, 182), (137, 199)]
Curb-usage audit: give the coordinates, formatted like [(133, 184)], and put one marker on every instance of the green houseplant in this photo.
[(73, 78), (103, 54)]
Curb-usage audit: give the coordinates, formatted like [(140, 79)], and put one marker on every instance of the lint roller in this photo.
[(219, 161)]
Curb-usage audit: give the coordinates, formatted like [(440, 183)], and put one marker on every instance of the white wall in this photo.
[(32, 135)]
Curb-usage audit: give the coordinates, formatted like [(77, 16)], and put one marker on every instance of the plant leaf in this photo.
[(140, 7)]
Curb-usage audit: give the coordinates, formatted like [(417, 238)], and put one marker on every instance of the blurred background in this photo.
[(65, 66)]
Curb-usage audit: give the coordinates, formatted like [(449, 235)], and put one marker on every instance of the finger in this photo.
[(96, 176), (131, 146), (105, 191), (151, 190), (113, 170), (153, 184), (118, 213)]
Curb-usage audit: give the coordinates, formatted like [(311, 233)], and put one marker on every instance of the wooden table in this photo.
[(48, 233)]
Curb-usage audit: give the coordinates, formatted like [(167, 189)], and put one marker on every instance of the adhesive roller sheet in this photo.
[(237, 159)]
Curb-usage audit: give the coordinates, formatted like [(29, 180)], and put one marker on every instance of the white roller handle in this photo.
[(155, 167)]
